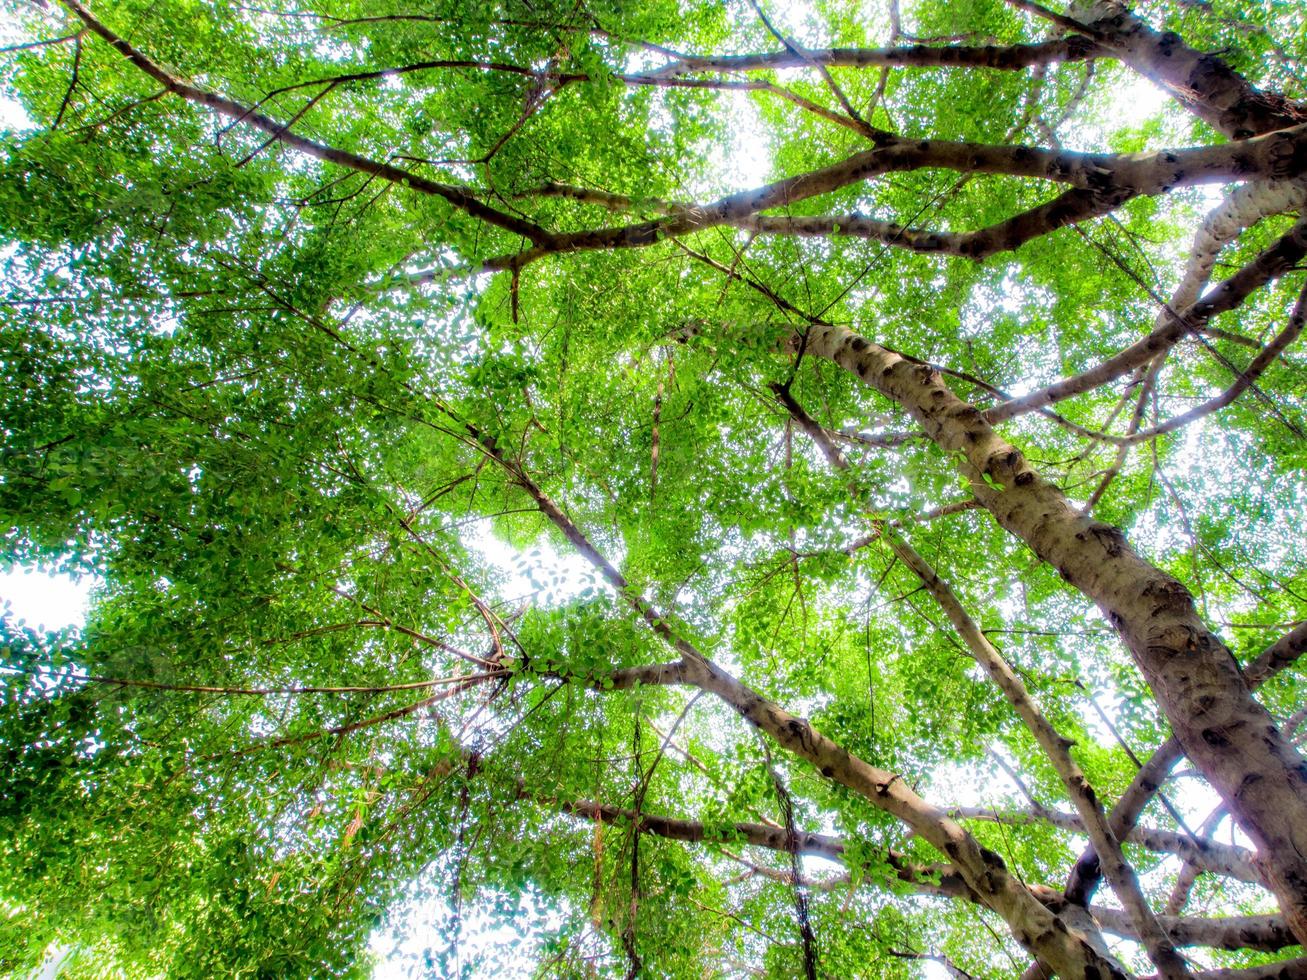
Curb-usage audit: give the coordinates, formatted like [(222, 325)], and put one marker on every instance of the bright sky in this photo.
[(50, 602)]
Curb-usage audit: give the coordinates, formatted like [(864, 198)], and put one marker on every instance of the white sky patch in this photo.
[(1137, 101), (540, 572), (13, 116), (46, 600), (411, 944), (747, 159)]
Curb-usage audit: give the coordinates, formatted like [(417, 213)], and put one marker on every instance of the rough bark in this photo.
[(1148, 780), (1242, 208), (1202, 83), (1228, 735)]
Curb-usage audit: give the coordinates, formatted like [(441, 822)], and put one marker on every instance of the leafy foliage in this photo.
[(344, 667)]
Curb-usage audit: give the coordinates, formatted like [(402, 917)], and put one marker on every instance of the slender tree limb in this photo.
[(1188, 876), (1066, 23), (72, 82), (394, 714), (1283, 970), (49, 42), (1275, 261), (1146, 378), (1265, 358), (877, 136), (693, 831), (459, 197), (1071, 207), (264, 691), (1261, 932), (1205, 854), (983, 871)]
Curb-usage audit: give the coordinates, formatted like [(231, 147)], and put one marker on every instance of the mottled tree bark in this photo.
[(1230, 737), (1203, 83)]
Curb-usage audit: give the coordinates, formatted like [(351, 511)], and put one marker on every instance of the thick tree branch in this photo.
[(1242, 208), (1228, 735), (1202, 83), (1277, 155), (1016, 57), (1071, 207), (1084, 877), (1283, 970), (1068, 208), (650, 676), (1283, 653)]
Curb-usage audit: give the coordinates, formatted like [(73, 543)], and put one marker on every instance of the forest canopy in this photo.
[(655, 489)]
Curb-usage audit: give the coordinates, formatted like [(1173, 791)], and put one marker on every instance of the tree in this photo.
[(939, 491)]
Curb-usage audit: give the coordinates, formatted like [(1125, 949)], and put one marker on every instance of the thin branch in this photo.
[(72, 83), (1245, 379), (1221, 859), (1275, 261), (875, 135), (1016, 57), (259, 691), (29, 45), (459, 197)]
